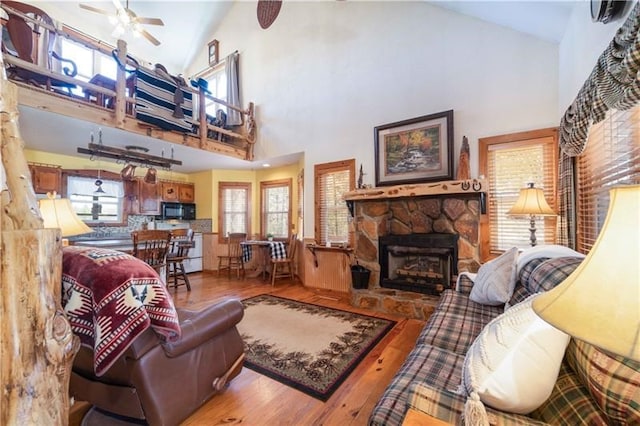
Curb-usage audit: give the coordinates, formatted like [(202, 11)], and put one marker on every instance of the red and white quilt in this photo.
[(110, 298)]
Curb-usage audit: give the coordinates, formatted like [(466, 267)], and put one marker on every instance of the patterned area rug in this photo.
[(308, 347)]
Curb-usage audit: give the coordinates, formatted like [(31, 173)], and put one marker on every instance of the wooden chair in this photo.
[(152, 247), (283, 268), (33, 42), (233, 258), (181, 243)]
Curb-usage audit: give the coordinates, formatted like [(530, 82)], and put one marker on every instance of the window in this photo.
[(611, 158), (275, 202), (217, 85), (332, 180), (89, 62), (234, 208), (94, 207), (509, 163)]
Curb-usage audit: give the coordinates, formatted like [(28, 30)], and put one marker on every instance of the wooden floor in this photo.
[(253, 399)]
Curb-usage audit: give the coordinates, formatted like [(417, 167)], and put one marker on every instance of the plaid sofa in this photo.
[(593, 387)]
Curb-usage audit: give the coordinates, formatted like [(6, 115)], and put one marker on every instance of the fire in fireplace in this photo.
[(423, 263)]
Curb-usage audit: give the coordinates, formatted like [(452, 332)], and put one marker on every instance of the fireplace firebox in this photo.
[(422, 263)]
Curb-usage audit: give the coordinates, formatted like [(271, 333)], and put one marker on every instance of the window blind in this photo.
[(332, 180), (234, 208), (510, 167), (611, 158), (276, 208)]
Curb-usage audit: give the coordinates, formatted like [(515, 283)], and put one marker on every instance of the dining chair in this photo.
[(181, 243), (283, 267), (152, 246), (233, 260)]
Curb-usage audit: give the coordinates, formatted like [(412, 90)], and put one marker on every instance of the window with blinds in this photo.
[(611, 158), (234, 208), (510, 162), (332, 180), (275, 202), (95, 207)]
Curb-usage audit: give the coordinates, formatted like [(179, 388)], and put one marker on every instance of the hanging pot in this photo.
[(151, 177), (128, 172)]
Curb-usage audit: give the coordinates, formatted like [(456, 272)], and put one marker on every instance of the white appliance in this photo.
[(194, 262)]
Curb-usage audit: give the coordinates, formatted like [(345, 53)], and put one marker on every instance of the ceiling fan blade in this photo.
[(119, 7), (149, 21), (94, 9), (149, 37)]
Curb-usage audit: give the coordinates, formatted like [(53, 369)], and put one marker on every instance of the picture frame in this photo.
[(415, 150), (213, 49)]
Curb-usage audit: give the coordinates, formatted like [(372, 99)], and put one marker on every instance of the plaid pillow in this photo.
[(552, 272), (570, 403), (613, 381), (526, 271)]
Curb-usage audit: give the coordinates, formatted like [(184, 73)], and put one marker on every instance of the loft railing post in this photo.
[(202, 110), (121, 84)]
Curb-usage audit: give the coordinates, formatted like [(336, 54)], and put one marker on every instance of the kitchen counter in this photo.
[(125, 245)]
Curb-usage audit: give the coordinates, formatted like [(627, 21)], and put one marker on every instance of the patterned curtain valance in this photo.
[(613, 84)]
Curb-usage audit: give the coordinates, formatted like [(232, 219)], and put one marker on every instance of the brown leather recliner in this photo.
[(163, 383)]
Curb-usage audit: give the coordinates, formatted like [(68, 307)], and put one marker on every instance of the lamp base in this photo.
[(532, 230)]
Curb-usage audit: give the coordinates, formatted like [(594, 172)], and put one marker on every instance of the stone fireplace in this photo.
[(422, 263), (414, 239)]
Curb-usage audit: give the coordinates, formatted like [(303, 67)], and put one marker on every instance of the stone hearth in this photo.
[(403, 303)]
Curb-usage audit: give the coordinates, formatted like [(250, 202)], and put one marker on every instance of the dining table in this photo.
[(261, 252)]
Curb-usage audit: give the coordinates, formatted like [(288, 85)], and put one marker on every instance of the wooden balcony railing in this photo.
[(114, 104)]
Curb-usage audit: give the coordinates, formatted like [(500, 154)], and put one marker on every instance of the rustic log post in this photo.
[(36, 343), (121, 83)]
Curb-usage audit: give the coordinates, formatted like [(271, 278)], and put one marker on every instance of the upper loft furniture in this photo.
[(126, 103), (24, 38)]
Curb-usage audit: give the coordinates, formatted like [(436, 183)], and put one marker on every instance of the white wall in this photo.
[(326, 73), (582, 44)]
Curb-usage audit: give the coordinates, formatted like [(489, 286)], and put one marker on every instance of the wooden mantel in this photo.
[(450, 187)]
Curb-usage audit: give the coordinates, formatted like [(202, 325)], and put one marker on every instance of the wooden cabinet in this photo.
[(148, 198), (177, 192), (170, 191), (186, 193), (46, 178)]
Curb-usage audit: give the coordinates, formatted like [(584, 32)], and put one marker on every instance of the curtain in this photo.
[(613, 84), (234, 118), (87, 186)]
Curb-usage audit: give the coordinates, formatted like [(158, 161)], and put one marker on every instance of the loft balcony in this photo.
[(144, 101)]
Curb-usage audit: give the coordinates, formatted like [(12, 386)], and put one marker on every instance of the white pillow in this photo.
[(514, 362), (496, 279)]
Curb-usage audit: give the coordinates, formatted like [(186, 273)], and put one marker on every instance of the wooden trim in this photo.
[(275, 184), (470, 186), (233, 185), (512, 140)]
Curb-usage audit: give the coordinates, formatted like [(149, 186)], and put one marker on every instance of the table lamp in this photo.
[(599, 302), (531, 202), (58, 213)]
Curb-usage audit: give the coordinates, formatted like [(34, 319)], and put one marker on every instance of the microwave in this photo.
[(177, 211)]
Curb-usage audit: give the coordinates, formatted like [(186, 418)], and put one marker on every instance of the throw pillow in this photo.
[(513, 364), (496, 279)]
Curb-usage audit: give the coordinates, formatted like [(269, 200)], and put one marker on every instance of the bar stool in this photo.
[(181, 243)]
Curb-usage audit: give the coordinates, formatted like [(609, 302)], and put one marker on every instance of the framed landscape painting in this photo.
[(416, 150)]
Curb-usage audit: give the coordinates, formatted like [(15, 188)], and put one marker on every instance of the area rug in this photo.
[(308, 347)]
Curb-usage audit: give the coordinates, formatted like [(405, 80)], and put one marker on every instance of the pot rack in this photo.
[(130, 154)]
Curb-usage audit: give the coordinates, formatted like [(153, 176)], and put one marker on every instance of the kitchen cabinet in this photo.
[(46, 178), (177, 192), (148, 197)]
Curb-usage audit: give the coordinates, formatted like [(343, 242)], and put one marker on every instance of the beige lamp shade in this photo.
[(599, 302), (58, 213), (531, 201)]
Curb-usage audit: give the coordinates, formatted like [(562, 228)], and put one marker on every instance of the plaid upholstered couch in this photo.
[(593, 388)]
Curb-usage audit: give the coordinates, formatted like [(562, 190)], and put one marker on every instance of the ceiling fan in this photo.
[(125, 19)]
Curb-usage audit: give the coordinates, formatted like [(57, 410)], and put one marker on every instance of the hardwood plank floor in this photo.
[(253, 399)]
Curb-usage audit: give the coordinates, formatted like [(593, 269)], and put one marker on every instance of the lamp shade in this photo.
[(531, 201), (599, 302), (58, 213)]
